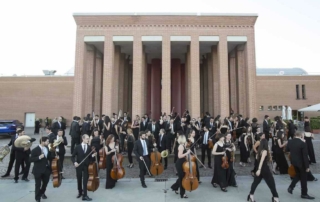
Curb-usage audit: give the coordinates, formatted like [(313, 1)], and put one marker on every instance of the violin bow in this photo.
[(146, 167)]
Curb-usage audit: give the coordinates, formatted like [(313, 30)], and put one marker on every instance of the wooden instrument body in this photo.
[(210, 144), (190, 181), (93, 181), (55, 167), (291, 171), (103, 159), (225, 164), (156, 167), (117, 172)]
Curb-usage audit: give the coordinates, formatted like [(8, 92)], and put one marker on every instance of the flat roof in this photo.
[(167, 14)]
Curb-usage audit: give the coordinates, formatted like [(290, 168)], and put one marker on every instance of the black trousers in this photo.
[(61, 159), (130, 149), (74, 142), (41, 183), (11, 161), (268, 178), (122, 137), (143, 169), (19, 161), (204, 149), (82, 179), (301, 175), (266, 134)]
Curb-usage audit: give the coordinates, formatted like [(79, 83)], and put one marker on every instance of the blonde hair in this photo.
[(182, 139), (129, 131)]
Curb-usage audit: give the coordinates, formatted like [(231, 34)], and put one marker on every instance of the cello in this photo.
[(190, 181), (156, 167), (103, 157), (117, 172), (93, 170)]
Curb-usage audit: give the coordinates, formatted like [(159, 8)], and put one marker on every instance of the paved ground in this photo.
[(69, 171), (130, 190)]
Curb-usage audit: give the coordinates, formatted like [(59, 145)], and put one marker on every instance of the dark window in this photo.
[(297, 91), (303, 92)]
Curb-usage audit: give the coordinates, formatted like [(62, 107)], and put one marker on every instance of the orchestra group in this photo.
[(101, 143)]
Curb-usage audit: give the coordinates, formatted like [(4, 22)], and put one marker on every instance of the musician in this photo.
[(163, 144), (211, 126), (142, 149), (107, 127), (75, 133), (130, 145), (96, 141), (260, 136), (205, 136), (292, 129), (147, 119), (266, 127), (192, 147), (97, 123), (81, 158), (22, 156), (110, 148), (13, 155), (154, 128), (60, 149), (187, 117), (50, 134), (86, 126), (182, 154), (126, 117), (299, 159), (41, 157), (230, 150), (171, 133), (143, 124), (135, 127), (123, 135), (230, 122), (113, 126), (58, 125)]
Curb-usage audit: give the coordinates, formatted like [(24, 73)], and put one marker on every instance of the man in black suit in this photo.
[(143, 124), (171, 134), (57, 125), (13, 155), (163, 144), (126, 117), (211, 126), (205, 136), (299, 159), (79, 154), (50, 134), (154, 129), (60, 149), (22, 156), (97, 123), (85, 129), (41, 157), (188, 118), (142, 149), (75, 133), (266, 127)]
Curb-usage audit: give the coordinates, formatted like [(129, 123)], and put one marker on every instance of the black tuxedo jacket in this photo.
[(165, 143), (266, 127), (51, 137), (78, 155), (62, 149), (40, 165), (211, 127), (138, 149), (75, 130), (56, 127), (298, 152), (143, 127), (156, 129)]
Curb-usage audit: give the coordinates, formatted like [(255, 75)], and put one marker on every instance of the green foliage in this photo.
[(315, 122)]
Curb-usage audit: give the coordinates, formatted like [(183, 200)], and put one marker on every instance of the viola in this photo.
[(225, 164), (190, 181), (93, 170), (103, 158), (117, 172), (156, 167)]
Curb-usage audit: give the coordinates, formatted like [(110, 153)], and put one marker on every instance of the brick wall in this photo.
[(45, 96)]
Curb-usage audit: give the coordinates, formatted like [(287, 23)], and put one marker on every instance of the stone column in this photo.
[(89, 78), (98, 84), (115, 77), (223, 76), (195, 77), (233, 81), (210, 83), (183, 88), (121, 82), (176, 85), (108, 70), (155, 90), (149, 87), (166, 75), (205, 85), (215, 72), (126, 85), (241, 76), (138, 78)]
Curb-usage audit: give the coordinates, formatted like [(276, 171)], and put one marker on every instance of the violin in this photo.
[(225, 164), (93, 170), (103, 157), (117, 172), (190, 181), (156, 167)]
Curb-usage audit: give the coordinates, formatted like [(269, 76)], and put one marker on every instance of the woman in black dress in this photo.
[(135, 127), (225, 127), (308, 138), (37, 126), (244, 149), (219, 174), (110, 150), (264, 172), (260, 137), (182, 154), (193, 149), (292, 129), (307, 127), (230, 150), (107, 127), (280, 157), (130, 144), (96, 142)]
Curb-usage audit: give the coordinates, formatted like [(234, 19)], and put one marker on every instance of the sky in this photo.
[(38, 35)]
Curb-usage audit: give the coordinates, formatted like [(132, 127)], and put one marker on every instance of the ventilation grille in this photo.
[(161, 179)]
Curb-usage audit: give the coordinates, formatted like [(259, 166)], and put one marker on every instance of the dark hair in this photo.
[(20, 131), (263, 146), (141, 133), (43, 139), (60, 130), (279, 134), (219, 135), (254, 120), (146, 131), (266, 116), (109, 139), (306, 117), (107, 119), (49, 128)]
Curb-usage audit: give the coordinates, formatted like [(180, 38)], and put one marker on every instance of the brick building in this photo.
[(145, 63)]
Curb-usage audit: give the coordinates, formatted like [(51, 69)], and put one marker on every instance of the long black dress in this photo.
[(178, 183), (219, 174), (37, 126), (135, 130), (281, 159), (110, 183), (312, 158), (106, 132), (96, 143), (307, 127), (231, 174), (244, 153), (224, 129)]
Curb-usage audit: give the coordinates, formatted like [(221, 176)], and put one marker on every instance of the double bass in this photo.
[(117, 172), (190, 181), (103, 157), (156, 167), (55, 167), (93, 170)]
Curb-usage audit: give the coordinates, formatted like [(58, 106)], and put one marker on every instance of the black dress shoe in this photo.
[(21, 172), (86, 198), (5, 175), (62, 177), (307, 197), (15, 181), (210, 167), (165, 167), (290, 190), (144, 185), (44, 196), (201, 167), (79, 195), (26, 179), (38, 200), (315, 179)]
